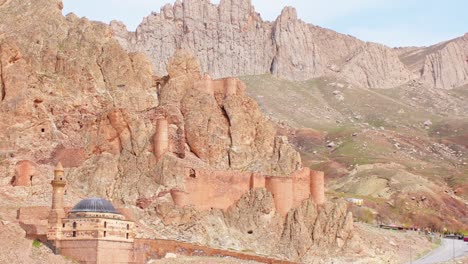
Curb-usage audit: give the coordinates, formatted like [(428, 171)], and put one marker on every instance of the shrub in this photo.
[(36, 244)]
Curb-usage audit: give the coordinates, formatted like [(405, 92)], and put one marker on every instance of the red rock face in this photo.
[(25, 171), (69, 157)]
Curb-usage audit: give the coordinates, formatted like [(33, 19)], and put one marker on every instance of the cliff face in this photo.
[(444, 65), (231, 39), (448, 67)]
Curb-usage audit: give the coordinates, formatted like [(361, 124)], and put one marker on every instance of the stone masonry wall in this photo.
[(206, 189)]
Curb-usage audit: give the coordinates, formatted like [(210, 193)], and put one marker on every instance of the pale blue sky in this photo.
[(391, 22)]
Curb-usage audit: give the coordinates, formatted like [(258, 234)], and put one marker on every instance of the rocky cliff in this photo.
[(444, 65), (231, 39), (448, 67)]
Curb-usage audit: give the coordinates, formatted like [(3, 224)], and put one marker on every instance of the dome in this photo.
[(97, 205)]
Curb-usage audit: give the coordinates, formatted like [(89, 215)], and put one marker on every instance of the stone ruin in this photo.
[(208, 187)]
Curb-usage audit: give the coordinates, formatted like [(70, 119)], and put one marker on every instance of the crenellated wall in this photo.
[(206, 189)]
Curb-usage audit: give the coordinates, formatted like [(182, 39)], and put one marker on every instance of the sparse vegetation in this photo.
[(374, 128), (36, 244), (364, 215)]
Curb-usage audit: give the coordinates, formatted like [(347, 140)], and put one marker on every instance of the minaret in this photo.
[(57, 213)]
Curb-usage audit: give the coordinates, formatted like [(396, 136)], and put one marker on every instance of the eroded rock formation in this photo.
[(231, 39), (448, 67)]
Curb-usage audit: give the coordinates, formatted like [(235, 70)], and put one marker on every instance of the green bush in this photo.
[(36, 244)]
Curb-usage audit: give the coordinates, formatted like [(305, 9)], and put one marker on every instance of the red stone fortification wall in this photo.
[(223, 87), (231, 86), (94, 251), (257, 181), (33, 213), (301, 186), (161, 137), (205, 85), (207, 189), (214, 189), (282, 190), (24, 172), (317, 186), (146, 249)]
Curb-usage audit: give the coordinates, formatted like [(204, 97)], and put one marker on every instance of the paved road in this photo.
[(445, 252)]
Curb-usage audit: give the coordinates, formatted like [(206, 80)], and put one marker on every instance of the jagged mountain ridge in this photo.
[(231, 39)]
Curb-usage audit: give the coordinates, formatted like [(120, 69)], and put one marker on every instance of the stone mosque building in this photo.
[(92, 232)]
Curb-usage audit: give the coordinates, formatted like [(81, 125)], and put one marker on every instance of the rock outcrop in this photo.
[(70, 92), (231, 39), (448, 67), (17, 249), (443, 65), (222, 127)]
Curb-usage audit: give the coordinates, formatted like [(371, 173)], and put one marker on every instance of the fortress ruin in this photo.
[(208, 188)]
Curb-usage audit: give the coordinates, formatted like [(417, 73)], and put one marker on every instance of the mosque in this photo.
[(93, 231)]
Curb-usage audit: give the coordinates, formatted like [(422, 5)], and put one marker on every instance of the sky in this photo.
[(394, 23)]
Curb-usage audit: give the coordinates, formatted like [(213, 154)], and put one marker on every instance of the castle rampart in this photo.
[(206, 189), (317, 186)]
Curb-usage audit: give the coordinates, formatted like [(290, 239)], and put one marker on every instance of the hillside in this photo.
[(406, 157)]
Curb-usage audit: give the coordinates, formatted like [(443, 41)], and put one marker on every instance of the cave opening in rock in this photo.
[(192, 173), (250, 232)]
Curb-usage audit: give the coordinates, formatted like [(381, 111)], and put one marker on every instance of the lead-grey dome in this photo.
[(97, 205)]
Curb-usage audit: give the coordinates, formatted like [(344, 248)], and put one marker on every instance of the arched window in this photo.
[(127, 235), (105, 224), (74, 233), (74, 224), (128, 226), (105, 233)]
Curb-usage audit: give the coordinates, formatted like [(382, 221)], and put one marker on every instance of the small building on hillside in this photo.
[(355, 201)]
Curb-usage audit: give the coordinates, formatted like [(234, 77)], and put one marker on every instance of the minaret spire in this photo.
[(57, 213)]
